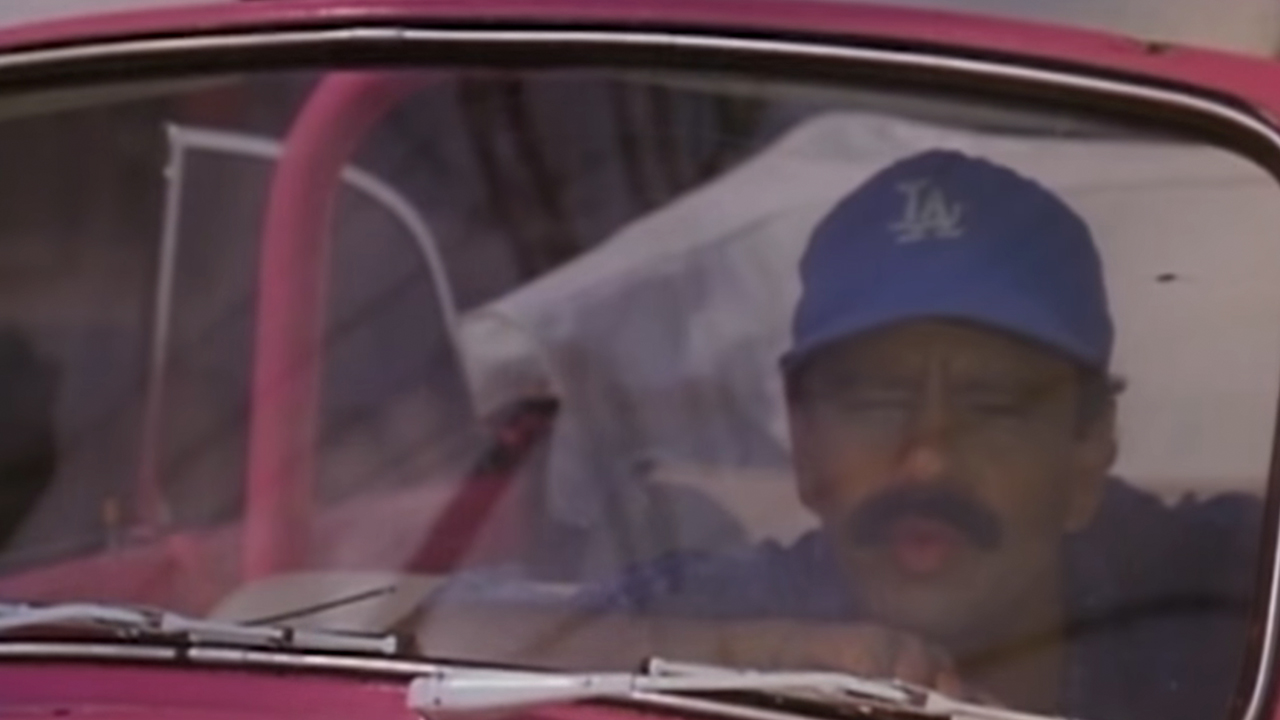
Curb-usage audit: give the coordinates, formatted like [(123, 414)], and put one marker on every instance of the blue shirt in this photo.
[(1157, 600)]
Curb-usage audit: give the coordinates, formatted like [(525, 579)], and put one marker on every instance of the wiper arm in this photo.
[(463, 690), (850, 686), (141, 623)]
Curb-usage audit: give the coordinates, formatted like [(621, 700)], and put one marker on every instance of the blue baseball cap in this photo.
[(948, 236)]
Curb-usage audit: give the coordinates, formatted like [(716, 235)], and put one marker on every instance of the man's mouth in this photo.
[(923, 529), (923, 547)]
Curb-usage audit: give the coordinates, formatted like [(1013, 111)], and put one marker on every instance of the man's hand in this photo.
[(862, 649), (573, 640)]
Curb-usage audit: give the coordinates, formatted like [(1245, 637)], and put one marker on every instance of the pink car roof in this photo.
[(1252, 78)]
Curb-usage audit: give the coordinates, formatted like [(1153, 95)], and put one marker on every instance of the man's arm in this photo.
[(574, 640)]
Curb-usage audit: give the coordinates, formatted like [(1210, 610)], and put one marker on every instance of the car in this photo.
[(420, 357)]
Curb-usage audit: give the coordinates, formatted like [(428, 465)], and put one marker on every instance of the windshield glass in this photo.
[(570, 368)]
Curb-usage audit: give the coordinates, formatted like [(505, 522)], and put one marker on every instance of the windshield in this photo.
[(572, 368)]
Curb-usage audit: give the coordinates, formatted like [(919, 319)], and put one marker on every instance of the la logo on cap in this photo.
[(927, 214)]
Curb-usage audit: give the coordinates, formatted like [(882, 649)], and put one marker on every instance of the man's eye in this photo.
[(873, 400), (996, 403)]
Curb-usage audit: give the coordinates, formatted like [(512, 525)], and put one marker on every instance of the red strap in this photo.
[(462, 518)]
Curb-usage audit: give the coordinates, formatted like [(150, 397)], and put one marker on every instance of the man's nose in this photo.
[(927, 444)]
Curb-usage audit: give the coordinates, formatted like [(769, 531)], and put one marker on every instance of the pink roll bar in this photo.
[(288, 360)]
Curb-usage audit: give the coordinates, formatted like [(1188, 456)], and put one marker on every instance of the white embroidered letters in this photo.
[(927, 213)]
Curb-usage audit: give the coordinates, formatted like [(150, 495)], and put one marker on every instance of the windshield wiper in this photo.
[(465, 690), (147, 623)]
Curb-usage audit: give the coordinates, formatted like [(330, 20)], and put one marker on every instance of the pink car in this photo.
[(756, 360)]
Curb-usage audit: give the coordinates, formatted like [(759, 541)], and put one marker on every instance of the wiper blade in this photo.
[(464, 690), (147, 623)]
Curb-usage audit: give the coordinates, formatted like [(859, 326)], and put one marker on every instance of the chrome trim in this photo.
[(701, 706), (73, 650), (274, 658), (212, 656), (933, 60)]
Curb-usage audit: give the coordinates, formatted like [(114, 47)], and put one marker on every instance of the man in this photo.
[(953, 427)]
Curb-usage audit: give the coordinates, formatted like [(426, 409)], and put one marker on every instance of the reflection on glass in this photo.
[(609, 366)]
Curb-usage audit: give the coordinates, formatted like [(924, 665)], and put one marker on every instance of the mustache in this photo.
[(872, 521)]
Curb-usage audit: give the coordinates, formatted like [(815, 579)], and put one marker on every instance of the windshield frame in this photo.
[(1221, 111)]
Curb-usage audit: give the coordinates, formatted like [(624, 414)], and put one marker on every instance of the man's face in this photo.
[(946, 461)]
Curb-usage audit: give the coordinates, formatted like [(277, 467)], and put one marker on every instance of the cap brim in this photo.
[(992, 307)]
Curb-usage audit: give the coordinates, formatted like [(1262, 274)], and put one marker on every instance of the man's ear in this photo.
[(812, 495), (1094, 455)]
